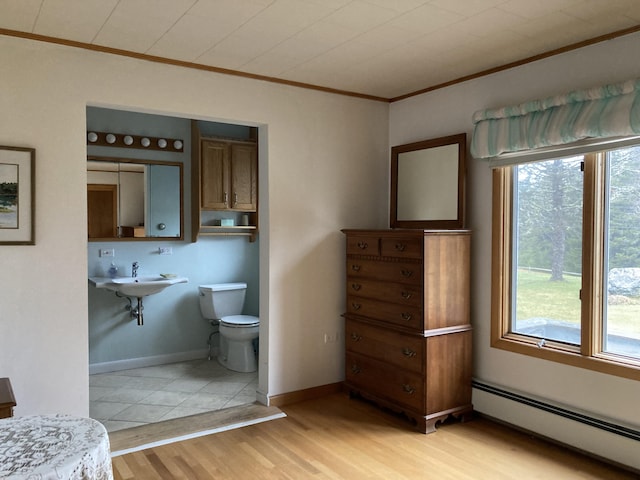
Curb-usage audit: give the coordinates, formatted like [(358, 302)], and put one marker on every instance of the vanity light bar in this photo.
[(106, 139)]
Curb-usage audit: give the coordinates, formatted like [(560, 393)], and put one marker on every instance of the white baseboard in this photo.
[(128, 363), (605, 439)]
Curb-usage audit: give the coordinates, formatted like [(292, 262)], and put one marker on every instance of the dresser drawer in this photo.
[(363, 245), (403, 294), (407, 316), (378, 378), (402, 247), (404, 351), (397, 272)]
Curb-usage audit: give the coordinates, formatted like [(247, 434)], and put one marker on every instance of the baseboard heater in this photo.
[(563, 412)]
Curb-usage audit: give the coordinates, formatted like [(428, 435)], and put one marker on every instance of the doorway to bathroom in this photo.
[(159, 370)]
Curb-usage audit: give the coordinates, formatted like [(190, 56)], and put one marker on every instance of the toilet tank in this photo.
[(221, 299)]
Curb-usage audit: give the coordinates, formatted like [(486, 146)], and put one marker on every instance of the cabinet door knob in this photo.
[(406, 295), (356, 306), (408, 352), (400, 247), (355, 337), (407, 273), (362, 245), (406, 316), (356, 286), (226, 198), (235, 199), (355, 369), (355, 268), (408, 389)]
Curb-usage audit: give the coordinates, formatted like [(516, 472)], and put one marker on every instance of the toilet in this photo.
[(223, 302)]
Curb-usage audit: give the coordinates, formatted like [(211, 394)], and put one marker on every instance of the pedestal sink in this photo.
[(137, 287)]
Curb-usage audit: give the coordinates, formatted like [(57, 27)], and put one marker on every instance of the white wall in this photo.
[(325, 168), (449, 111)]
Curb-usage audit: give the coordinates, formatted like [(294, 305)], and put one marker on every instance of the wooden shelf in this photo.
[(224, 227)]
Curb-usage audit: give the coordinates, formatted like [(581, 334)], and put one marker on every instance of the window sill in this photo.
[(561, 353)]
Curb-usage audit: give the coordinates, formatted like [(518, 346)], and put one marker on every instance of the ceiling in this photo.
[(378, 48)]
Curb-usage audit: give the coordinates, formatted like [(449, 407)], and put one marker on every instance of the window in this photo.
[(566, 260)]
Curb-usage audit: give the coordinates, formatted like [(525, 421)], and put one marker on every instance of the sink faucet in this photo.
[(134, 269)]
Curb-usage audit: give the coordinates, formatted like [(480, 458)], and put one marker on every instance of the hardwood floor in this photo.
[(334, 437)]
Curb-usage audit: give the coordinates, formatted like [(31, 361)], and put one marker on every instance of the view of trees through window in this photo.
[(622, 259), (547, 251)]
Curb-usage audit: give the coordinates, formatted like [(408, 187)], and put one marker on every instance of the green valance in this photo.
[(610, 111)]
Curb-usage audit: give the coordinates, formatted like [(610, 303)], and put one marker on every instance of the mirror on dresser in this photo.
[(428, 182), (131, 199)]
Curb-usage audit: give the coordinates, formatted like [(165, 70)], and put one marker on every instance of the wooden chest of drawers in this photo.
[(7, 400), (407, 331)]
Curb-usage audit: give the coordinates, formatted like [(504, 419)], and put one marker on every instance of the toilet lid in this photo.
[(240, 321)]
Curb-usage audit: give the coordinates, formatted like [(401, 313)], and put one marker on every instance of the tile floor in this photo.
[(129, 398)]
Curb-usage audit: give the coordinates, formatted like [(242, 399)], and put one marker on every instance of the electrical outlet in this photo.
[(107, 252), (330, 338), (165, 251)]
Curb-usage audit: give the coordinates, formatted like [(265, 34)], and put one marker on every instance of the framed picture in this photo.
[(17, 195)]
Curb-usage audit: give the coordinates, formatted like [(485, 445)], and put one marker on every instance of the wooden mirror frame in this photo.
[(133, 237), (456, 222)]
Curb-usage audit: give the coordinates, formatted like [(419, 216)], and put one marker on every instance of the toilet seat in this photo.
[(240, 321)]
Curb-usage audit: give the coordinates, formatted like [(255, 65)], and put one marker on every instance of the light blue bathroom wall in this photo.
[(173, 325)]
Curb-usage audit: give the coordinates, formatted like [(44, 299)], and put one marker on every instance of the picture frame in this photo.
[(17, 195)]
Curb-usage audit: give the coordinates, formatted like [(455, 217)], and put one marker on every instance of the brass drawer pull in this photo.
[(406, 273), (355, 337), (400, 247), (406, 316), (363, 245), (408, 352), (356, 306), (356, 286), (355, 268), (355, 369), (406, 295), (408, 389)]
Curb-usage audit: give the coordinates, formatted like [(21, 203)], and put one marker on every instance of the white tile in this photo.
[(73, 20), (106, 410), (361, 16), (468, 7), (125, 395), (185, 385), (148, 383), (206, 401), (169, 399), (136, 25), (95, 393), (223, 388), (426, 19), (19, 14), (115, 425), (108, 380), (142, 413), (163, 392), (179, 412)]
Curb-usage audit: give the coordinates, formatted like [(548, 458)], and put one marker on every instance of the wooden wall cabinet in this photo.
[(224, 187), (407, 331), (229, 176)]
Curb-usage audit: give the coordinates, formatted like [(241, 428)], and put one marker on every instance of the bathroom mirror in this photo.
[(132, 200), (427, 183)]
